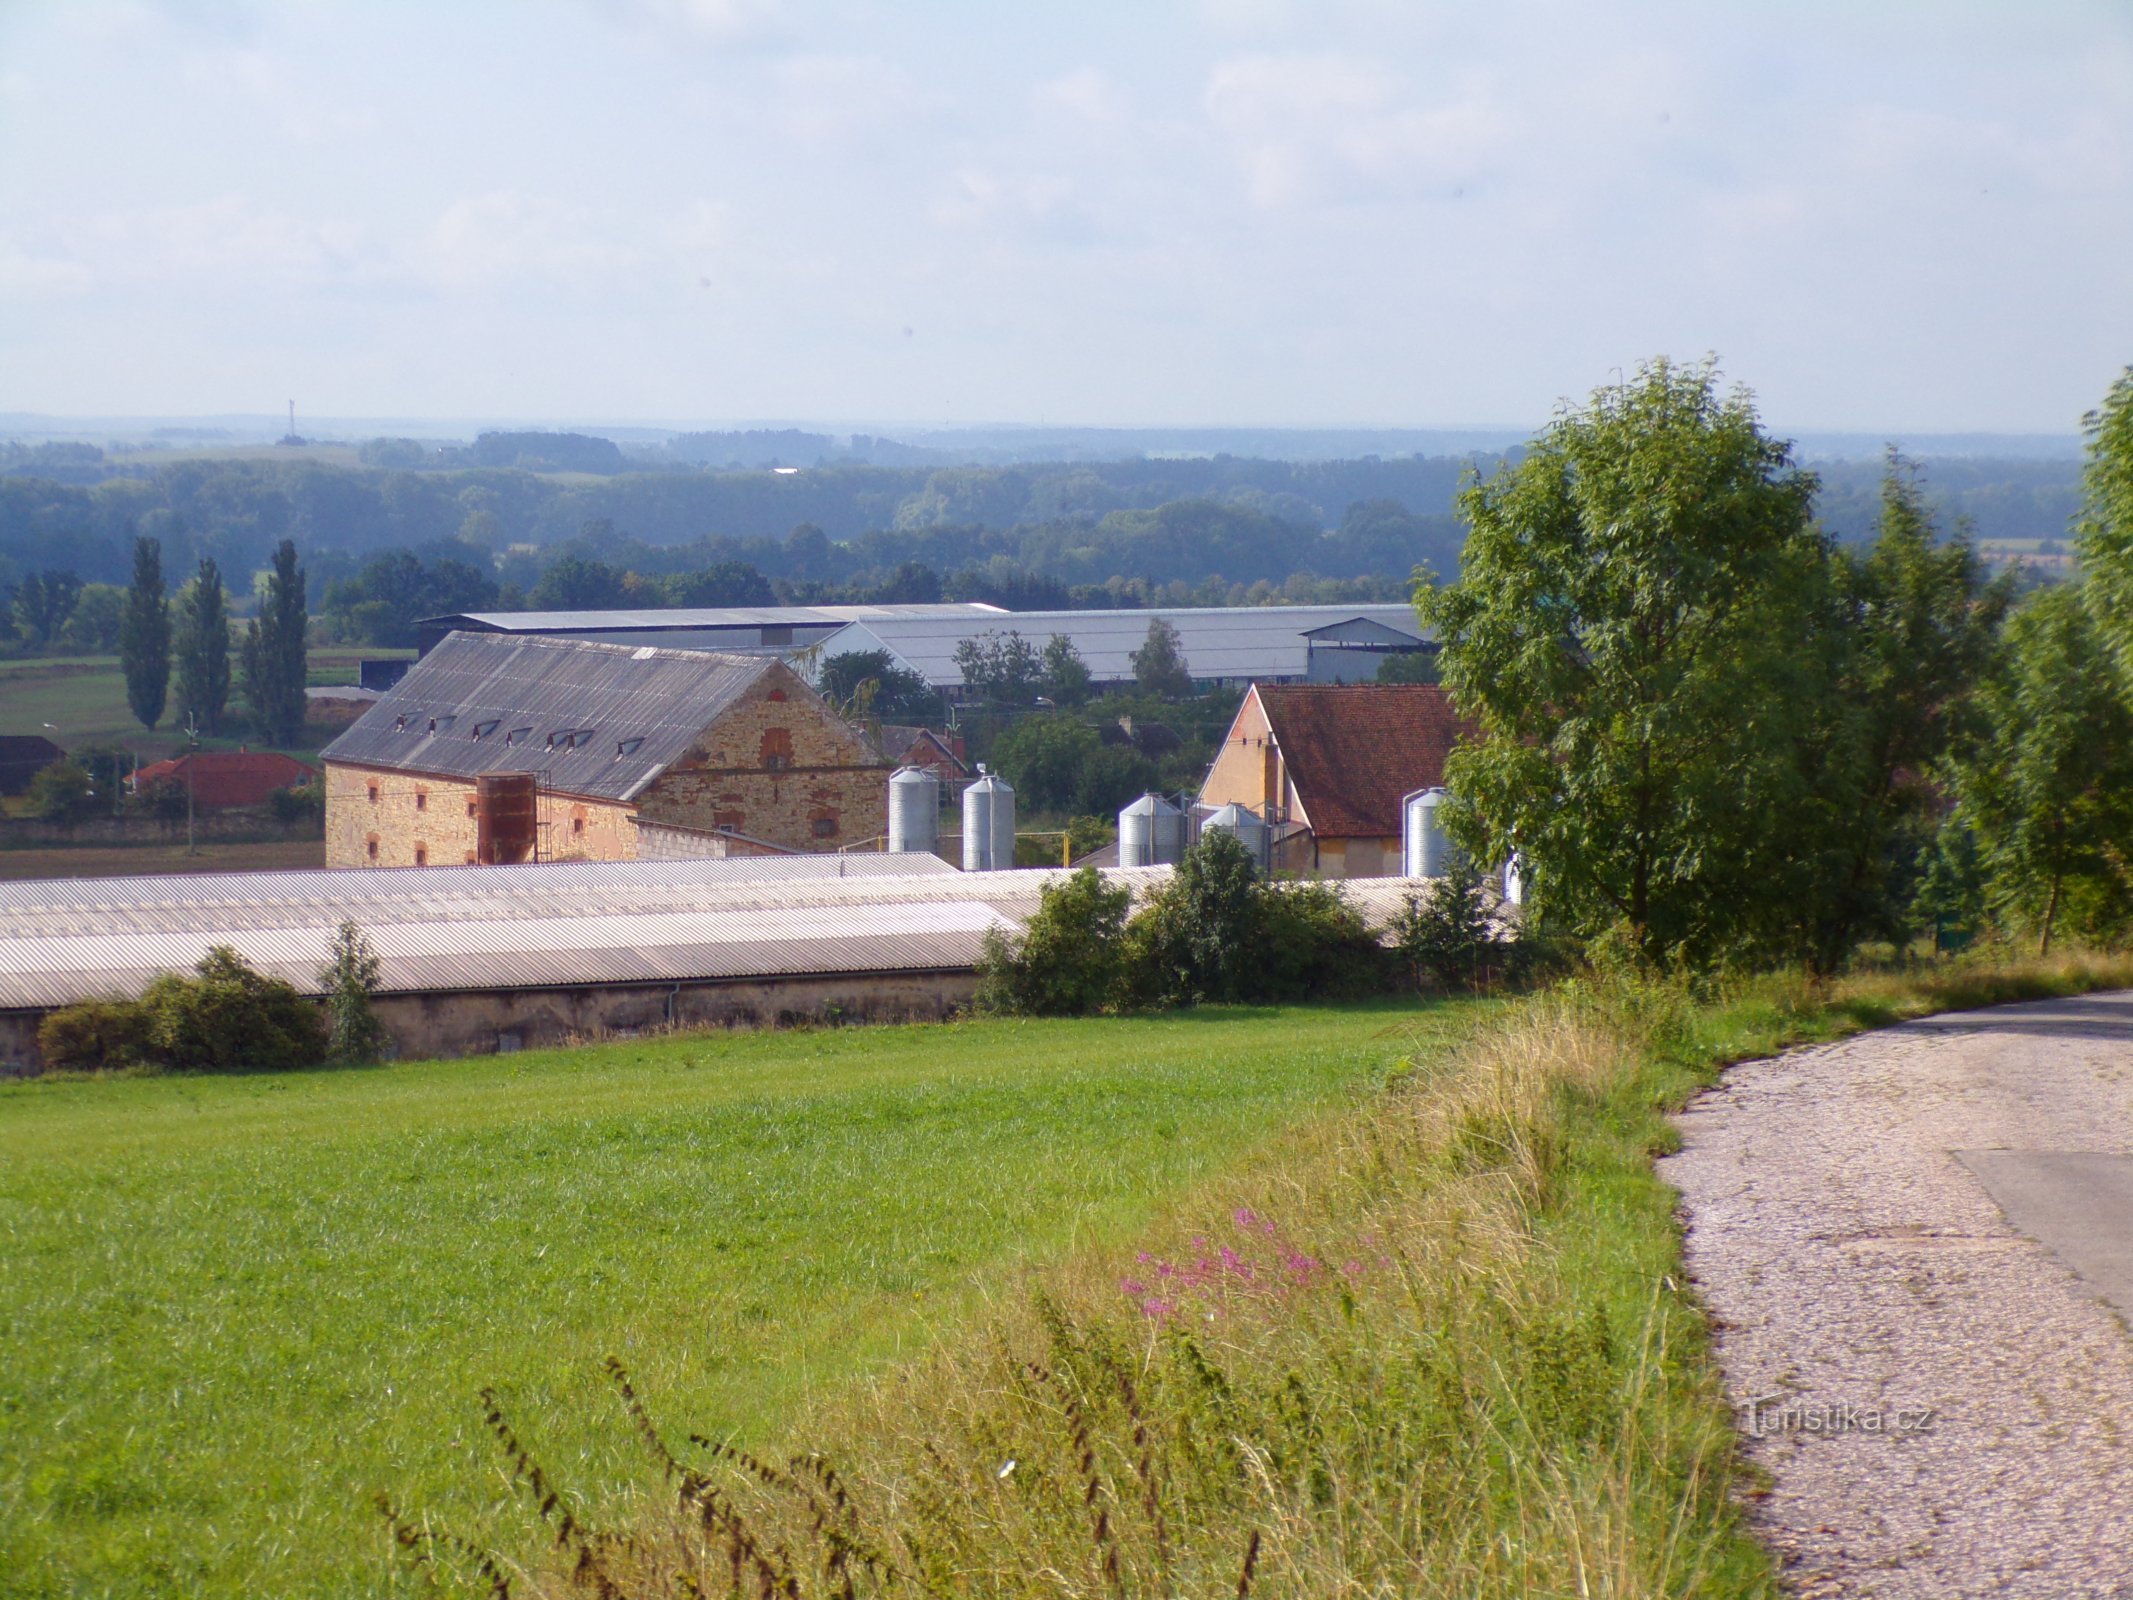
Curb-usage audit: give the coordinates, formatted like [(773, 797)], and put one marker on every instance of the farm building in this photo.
[(1222, 645), (483, 959), (1328, 765), (499, 748), (22, 757), (222, 778), (938, 753), (745, 628)]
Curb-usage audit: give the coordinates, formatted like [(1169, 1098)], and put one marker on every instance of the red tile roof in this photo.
[(1354, 751), (229, 777)]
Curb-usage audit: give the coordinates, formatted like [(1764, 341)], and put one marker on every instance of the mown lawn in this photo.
[(231, 1310)]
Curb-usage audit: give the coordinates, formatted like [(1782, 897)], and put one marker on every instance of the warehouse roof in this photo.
[(1354, 751), (555, 926), (1234, 642), (698, 617), (600, 720)]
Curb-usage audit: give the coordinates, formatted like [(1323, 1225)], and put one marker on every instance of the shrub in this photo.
[(1202, 936), (95, 1036), (61, 792), (1446, 937), (232, 1019), (1068, 960), (300, 802), (1319, 947), (354, 1035)]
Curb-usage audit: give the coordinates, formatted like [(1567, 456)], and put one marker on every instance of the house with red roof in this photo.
[(1327, 765), (222, 778)]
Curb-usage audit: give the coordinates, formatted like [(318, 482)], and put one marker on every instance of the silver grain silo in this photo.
[(988, 824), (1151, 833), (914, 811), (1425, 848), (1244, 823)]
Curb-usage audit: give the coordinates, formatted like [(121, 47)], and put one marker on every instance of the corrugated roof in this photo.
[(463, 928), (705, 617), (1353, 751), (1237, 642), (592, 719)]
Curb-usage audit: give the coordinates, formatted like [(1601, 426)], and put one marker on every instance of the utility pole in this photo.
[(192, 737)]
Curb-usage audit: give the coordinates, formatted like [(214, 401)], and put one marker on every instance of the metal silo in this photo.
[(1425, 848), (914, 811), (988, 824), (1151, 833), (1245, 824)]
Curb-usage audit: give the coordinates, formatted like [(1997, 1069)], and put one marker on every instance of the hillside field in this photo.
[(232, 1310)]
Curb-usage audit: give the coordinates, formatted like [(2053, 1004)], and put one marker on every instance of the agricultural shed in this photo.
[(478, 959), (774, 628)]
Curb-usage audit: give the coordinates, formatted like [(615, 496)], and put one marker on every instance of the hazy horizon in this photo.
[(1222, 214)]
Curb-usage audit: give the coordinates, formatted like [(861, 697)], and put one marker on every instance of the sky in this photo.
[(1395, 213)]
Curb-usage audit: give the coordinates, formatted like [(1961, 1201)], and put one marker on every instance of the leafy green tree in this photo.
[(42, 604), (2045, 779), (144, 635), (1202, 936), (203, 647), (724, 583), (276, 668), (1069, 958), (61, 792), (1626, 633), (1000, 669), (354, 1035), (2106, 529), (93, 627), (1043, 757), (898, 693), (572, 583), (1066, 675), (1446, 937), (1912, 630), (1159, 664), (381, 604), (1409, 666), (231, 1018)]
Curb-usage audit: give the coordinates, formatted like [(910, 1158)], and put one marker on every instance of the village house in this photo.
[(218, 779), (1327, 767), (502, 748)]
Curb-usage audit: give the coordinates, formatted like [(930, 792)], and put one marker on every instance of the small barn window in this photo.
[(482, 730), (577, 824), (775, 694), (370, 847), (628, 747), (775, 752), (373, 794), (825, 827), (422, 855), (422, 799), (472, 808)]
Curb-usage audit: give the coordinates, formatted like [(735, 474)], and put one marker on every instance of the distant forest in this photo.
[(486, 524)]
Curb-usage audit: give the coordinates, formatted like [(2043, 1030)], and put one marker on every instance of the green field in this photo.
[(83, 698), (232, 1309)]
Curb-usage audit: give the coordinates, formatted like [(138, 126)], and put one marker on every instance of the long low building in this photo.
[(479, 959), (1222, 645)]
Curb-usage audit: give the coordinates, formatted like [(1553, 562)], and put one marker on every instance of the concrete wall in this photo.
[(481, 1022)]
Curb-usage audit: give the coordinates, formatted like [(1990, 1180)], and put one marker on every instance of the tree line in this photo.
[(183, 642), (1716, 735)]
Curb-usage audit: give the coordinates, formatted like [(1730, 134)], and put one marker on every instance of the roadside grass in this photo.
[(1439, 1343), (232, 1310)]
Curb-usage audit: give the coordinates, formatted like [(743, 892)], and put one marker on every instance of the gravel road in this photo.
[(1946, 1403)]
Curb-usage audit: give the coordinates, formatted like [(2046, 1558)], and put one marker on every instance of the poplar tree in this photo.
[(275, 666), (144, 635), (203, 647)]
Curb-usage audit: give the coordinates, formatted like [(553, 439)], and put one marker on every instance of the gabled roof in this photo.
[(600, 720), (229, 777), (897, 742), (1354, 751)]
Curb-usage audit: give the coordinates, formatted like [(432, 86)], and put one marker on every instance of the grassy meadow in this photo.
[(232, 1310)]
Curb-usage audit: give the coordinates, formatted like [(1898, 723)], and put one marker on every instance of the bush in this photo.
[(1319, 947), (95, 1036), (232, 1019), (1202, 935), (1068, 960), (1446, 937), (300, 802), (61, 792)]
